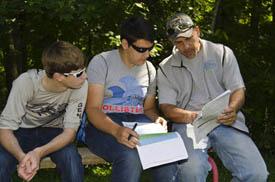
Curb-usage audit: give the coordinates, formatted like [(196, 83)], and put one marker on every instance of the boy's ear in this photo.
[(124, 44), (57, 76)]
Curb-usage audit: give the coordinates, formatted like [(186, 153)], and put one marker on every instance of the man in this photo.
[(195, 73), (42, 116), (122, 87)]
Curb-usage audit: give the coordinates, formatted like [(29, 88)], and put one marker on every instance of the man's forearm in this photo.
[(237, 99), (10, 143), (60, 141), (177, 115)]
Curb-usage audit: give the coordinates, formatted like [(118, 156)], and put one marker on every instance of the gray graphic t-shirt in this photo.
[(30, 105), (125, 88)]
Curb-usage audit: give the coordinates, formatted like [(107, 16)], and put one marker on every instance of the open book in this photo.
[(206, 120), (156, 146), (146, 128)]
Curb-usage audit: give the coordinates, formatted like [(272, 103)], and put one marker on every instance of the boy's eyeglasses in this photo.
[(142, 49), (75, 74)]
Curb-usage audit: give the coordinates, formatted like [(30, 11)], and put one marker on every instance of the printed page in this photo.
[(146, 128), (207, 120), (215, 107), (158, 149)]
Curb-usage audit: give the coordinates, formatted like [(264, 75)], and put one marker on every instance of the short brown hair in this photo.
[(62, 57)]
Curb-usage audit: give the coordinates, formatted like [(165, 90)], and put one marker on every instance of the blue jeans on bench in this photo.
[(236, 150), (126, 166), (67, 159)]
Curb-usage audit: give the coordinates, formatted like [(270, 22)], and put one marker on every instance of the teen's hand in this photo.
[(29, 165), (162, 121), (127, 136), (24, 172)]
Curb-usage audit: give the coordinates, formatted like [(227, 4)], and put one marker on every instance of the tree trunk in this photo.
[(255, 18), (10, 64), (15, 56), (217, 20)]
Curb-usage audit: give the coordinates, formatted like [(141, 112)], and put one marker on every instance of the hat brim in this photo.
[(185, 34)]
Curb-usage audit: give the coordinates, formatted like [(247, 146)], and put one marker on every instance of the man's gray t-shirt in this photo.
[(215, 75), (30, 105), (189, 84), (125, 88), (200, 95)]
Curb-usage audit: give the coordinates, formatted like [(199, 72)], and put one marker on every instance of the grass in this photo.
[(102, 173)]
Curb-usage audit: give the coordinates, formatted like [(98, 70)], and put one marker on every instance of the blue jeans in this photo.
[(126, 166), (67, 159), (236, 150)]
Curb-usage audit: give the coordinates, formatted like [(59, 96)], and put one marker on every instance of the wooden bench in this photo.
[(88, 158)]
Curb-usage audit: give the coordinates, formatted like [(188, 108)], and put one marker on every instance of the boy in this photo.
[(42, 116), (122, 87)]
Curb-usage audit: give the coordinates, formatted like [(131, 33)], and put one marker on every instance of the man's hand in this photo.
[(161, 121), (123, 133), (29, 165), (228, 117), (189, 116)]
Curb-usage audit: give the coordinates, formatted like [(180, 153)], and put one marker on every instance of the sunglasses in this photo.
[(178, 29), (75, 74), (142, 49)]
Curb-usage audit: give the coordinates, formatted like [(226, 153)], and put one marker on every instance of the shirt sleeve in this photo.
[(232, 77), (153, 80), (21, 92), (166, 93), (76, 107), (97, 70)]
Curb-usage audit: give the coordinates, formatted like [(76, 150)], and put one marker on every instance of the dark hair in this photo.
[(62, 57), (135, 28)]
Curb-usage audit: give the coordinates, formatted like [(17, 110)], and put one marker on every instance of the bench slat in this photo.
[(88, 158)]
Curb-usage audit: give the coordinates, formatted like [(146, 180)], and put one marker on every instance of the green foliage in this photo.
[(102, 170), (245, 26), (158, 48)]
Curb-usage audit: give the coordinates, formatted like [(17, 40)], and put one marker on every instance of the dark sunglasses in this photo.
[(142, 49), (75, 74)]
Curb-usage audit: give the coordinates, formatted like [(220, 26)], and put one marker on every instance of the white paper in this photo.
[(207, 117), (158, 149), (202, 144), (146, 128)]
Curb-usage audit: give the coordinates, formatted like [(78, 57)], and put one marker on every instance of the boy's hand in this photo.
[(23, 172), (162, 121), (122, 135), (29, 165)]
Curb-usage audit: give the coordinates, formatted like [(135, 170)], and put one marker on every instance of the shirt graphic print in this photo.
[(128, 98)]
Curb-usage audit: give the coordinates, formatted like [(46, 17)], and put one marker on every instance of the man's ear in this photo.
[(58, 77), (124, 44), (197, 28)]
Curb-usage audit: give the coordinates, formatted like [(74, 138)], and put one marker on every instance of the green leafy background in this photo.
[(247, 26)]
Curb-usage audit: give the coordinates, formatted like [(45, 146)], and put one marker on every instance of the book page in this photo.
[(215, 107), (146, 128), (207, 119), (158, 149)]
